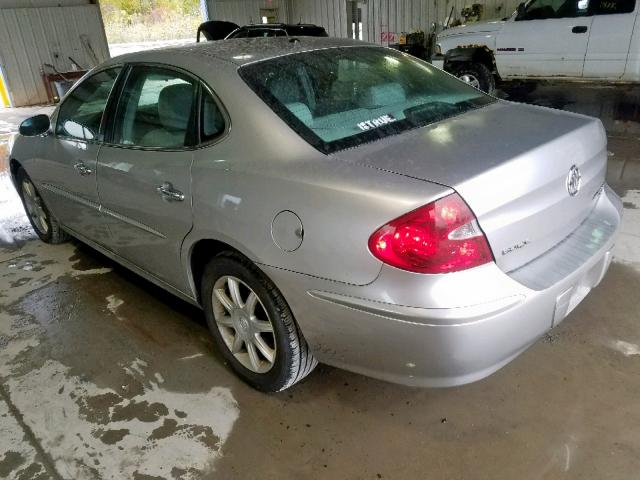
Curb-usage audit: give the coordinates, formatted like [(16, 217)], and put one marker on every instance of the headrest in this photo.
[(174, 106), (301, 111), (285, 88), (381, 95)]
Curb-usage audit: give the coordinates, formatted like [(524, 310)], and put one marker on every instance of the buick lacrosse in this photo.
[(328, 200)]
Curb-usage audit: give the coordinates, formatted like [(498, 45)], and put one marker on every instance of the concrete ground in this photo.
[(103, 375)]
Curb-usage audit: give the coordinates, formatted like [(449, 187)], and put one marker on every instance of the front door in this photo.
[(144, 172), (68, 180), (548, 39), (610, 38)]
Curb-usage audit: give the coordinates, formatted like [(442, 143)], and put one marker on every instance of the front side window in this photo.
[(156, 109), (547, 9), (81, 112), (609, 7), (341, 97)]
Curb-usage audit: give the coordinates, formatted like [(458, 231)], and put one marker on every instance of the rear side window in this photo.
[(609, 7), (81, 112), (156, 109), (341, 97), (240, 33), (212, 121)]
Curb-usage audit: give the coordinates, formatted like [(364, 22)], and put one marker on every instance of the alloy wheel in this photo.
[(471, 80), (34, 206), (244, 324)]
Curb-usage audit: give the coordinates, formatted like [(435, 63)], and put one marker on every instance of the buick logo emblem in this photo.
[(574, 179)]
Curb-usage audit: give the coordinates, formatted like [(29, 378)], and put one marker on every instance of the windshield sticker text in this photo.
[(376, 122)]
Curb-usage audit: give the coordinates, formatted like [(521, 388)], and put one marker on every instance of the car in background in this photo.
[(218, 30), (366, 210)]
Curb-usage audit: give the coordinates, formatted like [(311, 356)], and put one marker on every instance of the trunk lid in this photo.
[(510, 163)]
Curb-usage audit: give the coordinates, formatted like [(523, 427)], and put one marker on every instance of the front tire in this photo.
[(44, 224), (253, 326), (477, 75)]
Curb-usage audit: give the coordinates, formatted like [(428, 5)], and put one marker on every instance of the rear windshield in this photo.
[(342, 97), (306, 30)]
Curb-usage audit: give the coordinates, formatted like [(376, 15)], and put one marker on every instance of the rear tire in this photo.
[(44, 224), (477, 75), (253, 326)]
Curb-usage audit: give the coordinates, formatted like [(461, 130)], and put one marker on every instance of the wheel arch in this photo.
[(470, 53), (198, 255), (14, 166)]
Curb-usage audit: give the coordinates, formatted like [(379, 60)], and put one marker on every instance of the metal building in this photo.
[(38, 37), (379, 21)]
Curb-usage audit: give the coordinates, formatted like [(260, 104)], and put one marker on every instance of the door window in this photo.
[(546, 9), (156, 109), (608, 7), (81, 112), (212, 121)]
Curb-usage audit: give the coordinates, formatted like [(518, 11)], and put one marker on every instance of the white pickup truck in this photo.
[(575, 40)]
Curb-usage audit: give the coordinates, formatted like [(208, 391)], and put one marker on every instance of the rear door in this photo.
[(610, 38), (144, 172), (548, 39), (69, 168)]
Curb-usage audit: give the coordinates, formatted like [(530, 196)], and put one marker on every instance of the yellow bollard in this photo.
[(4, 97)]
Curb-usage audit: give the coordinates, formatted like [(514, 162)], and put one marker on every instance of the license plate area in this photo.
[(572, 296)]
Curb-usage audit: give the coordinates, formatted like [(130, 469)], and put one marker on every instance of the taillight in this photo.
[(440, 237)]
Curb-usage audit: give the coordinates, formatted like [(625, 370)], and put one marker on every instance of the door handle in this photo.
[(82, 169), (579, 29), (168, 193)]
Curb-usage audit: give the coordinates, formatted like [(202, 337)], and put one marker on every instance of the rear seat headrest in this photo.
[(174, 106), (301, 111)]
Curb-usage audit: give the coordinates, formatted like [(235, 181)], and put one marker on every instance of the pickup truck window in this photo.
[(546, 9), (609, 7)]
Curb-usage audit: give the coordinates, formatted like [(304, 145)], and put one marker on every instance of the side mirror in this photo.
[(38, 125), (520, 10)]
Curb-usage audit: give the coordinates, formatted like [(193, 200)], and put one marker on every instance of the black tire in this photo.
[(519, 89), (480, 72), (293, 359), (50, 230)]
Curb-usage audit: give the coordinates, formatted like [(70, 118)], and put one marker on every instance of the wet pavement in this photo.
[(103, 375)]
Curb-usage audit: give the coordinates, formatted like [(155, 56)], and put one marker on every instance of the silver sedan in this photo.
[(331, 201)]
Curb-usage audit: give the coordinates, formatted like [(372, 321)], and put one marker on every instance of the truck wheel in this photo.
[(477, 75)]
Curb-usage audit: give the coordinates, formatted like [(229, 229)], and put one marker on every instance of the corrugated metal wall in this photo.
[(331, 14), (31, 37), (244, 12), (383, 20)]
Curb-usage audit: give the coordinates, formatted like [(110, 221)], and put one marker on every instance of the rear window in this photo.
[(343, 97), (306, 30)]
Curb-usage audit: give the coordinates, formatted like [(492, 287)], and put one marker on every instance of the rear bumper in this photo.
[(445, 330)]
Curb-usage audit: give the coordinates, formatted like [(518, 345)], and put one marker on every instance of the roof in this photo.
[(242, 51)]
